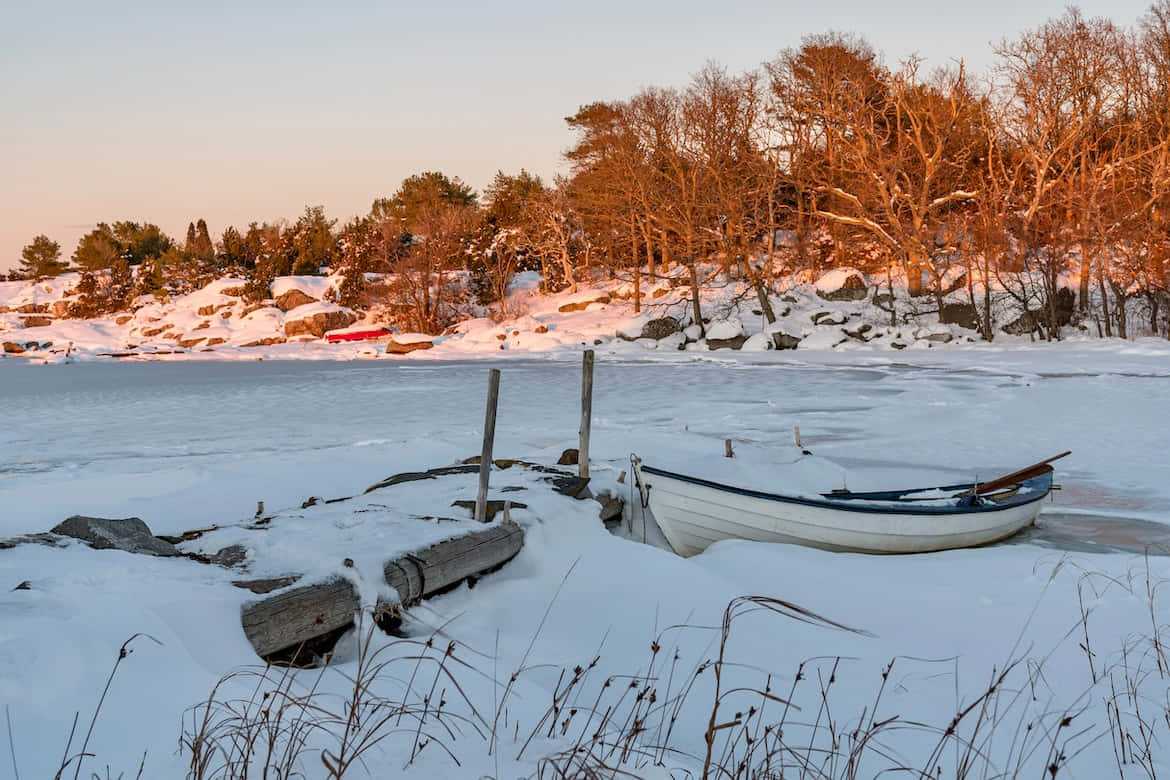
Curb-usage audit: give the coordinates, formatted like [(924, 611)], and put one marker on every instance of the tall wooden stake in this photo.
[(489, 436), (586, 413)]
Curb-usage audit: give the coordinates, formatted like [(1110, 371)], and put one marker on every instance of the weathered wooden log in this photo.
[(302, 616)]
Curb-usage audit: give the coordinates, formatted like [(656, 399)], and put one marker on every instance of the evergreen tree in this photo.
[(42, 258), (203, 250), (313, 243), (97, 250)]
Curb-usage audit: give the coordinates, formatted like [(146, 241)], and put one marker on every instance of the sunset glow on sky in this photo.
[(165, 113)]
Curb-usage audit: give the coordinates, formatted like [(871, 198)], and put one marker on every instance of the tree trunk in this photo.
[(696, 310), (761, 293), (1119, 295), (1086, 274), (1104, 304), (914, 267)]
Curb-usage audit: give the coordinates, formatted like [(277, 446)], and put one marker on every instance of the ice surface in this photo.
[(190, 444)]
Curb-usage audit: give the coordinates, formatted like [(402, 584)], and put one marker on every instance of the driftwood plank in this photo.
[(298, 616)]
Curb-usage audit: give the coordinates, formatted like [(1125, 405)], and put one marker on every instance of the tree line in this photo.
[(1058, 159)]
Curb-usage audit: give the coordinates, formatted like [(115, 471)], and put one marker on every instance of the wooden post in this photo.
[(727, 451), (586, 413), (489, 436)]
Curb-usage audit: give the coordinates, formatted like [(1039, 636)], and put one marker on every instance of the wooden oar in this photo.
[(1035, 470)]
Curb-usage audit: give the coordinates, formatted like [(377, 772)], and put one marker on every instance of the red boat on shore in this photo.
[(365, 334)]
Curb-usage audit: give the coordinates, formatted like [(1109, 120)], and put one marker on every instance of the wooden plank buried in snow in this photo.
[(295, 617)]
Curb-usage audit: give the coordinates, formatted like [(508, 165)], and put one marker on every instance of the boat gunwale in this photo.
[(892, 506)]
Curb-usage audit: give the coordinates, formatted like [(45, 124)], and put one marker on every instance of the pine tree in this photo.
[(42, 258)]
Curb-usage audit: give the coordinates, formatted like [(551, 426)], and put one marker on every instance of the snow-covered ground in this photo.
[(189, 444)]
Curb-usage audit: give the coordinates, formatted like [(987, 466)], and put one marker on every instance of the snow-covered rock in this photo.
[(314, 319), (842, 284)]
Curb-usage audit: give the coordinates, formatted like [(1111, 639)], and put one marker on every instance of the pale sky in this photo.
[(239, 111)]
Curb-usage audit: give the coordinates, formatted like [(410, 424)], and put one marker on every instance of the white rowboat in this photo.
[(693, 513)]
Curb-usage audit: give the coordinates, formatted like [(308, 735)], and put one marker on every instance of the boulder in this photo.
[(581, 303), (129, 534), (264, 342), (395, 348), (33, 308), (316, 319), (842, 285), (568, 457), (215, 341), (859, 333), (292, 299), (735, 342), (661, 328), (234, 292), (964, 315), (785, 341), (39, 322), (59, 308), (123, 319), (939, 338), (829, 318), (13, 348)]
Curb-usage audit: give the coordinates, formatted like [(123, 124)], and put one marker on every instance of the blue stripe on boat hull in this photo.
[(1037, 488)]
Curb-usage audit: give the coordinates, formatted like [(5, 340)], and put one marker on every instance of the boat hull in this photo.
[(693, 514)]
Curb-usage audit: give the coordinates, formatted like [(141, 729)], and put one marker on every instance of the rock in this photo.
[(49, 540), (151, 332), (732, 343), (292, 299), (661, 328), (202, 326), (188, 343), (660, 292), (319, 321), (897, 345), (215, 341), (12, 348), (264, 342), (940, 338), (584, 303), (829, 318), (859, 333), (785, 341), (394, 348), (232, 555), (41, 322), (1020, 326), (129, 534), (569, 457), (232, 292), (852, 288), (123, 319), (962, 314), (33, 308), (59, 308), (693, 332), (611, 511), (540, 329)]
